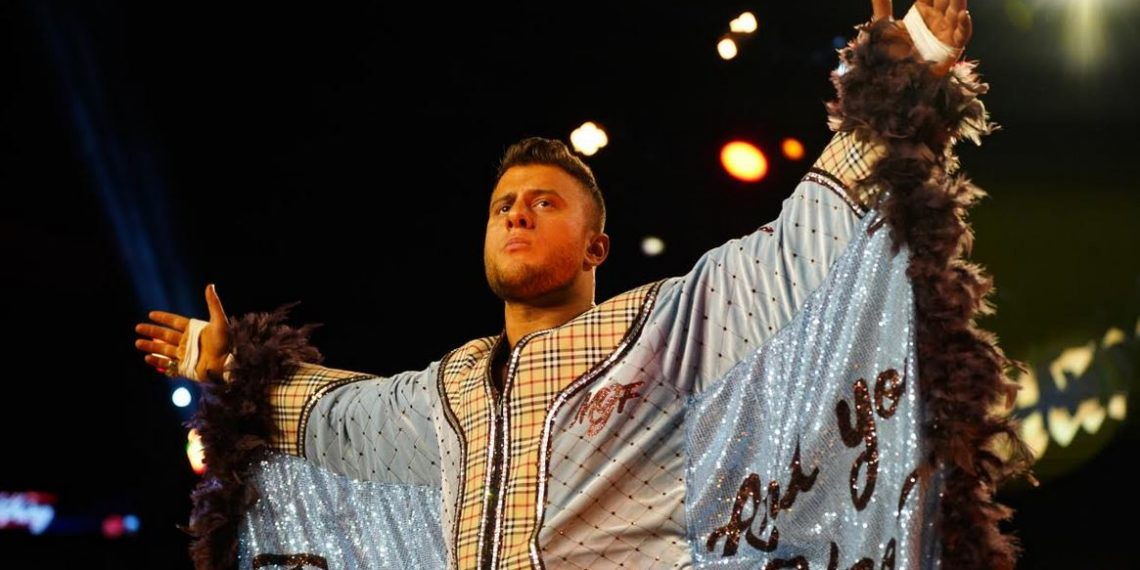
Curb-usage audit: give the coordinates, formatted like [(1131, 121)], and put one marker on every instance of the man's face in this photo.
[(539, 226)]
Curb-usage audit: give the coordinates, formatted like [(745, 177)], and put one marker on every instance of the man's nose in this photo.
[(520, 217)]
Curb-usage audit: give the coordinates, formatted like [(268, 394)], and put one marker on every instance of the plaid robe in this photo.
[(618, 438)]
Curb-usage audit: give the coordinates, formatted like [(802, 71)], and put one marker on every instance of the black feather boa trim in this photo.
[(963, 374), (235, 424)]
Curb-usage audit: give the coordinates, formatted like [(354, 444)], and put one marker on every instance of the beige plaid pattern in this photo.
[(547, 365), (467, 398), (843, 164), (293, 397)]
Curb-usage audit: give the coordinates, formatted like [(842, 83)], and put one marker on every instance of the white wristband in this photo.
[(927, 44), (187, 367)]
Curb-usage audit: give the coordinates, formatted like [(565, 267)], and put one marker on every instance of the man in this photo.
[(811, 395)]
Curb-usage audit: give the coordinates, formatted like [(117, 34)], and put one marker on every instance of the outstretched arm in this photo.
[(914, 109), (738, 295), (259, 363), (264, 392)]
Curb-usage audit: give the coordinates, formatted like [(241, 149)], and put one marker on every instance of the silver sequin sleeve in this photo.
[(307, 517), (805, 453)]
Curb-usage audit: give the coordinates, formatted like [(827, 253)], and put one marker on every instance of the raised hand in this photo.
[(948, 20), (165, 344)]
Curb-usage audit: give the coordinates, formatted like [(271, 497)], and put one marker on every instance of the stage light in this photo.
[(1019, 14), (181, 397), (1118, 407), (1029, 393), (1072, 361), (652, 246), (195, 452), (31, 510), (743, 24), (113, 526), (1091, 415), (726, 48), (588, 138), (131, 523), (1034, 434), (793, 149), (1112, 337), (1084, 37), (1063, 426), (744, 161), (1056, 408)]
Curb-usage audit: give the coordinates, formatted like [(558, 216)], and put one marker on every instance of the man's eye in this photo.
[(503, 209), (543, 203)]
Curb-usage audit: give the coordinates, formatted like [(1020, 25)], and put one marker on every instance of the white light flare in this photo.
[(726, 48), (652, 246), (743, 24), (181, 397), (589, 138)]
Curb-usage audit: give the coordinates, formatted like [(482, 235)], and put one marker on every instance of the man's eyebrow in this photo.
[(538, 192), (532, 191), (508, 197)]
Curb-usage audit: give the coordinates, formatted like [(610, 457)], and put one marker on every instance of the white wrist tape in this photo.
[(226, 368), (927, 44), (187, 367)]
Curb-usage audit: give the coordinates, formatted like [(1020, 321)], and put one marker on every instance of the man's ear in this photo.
[(596, 251)]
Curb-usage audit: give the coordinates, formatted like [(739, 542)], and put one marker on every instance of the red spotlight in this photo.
[(113, 526)]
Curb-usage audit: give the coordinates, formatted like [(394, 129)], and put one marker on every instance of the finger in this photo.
[(936, 23), (928, 13), (155, 347), (926, 9), (956, 5), (942, 24), (176, 322), (881, 9), (217, 314), (965, 29), (940, 5), (160, 333), (162, 364)]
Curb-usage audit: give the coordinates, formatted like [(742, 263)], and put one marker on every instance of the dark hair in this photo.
[(550, 152)]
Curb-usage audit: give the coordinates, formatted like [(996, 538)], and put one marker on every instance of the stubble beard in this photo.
[(530, 283)]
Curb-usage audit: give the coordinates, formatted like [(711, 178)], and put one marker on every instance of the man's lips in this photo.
[(514, 244)]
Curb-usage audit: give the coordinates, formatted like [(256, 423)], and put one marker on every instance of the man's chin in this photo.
[(518, 282), (533, 290), (516, 292)]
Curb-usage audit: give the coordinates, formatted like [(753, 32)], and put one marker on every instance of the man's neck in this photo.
[(523, 319)]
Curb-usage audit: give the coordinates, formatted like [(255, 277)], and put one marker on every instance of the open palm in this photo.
[(166, 344)]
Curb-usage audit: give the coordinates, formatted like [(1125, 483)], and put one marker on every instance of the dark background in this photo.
[(343, 157)]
